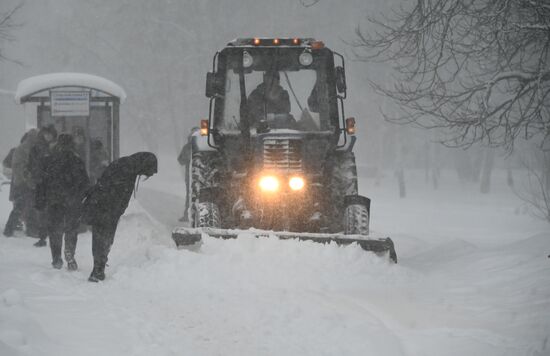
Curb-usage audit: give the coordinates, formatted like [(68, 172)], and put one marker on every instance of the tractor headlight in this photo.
[(269, 184), (296, 183), (247, 59), (305, 58)]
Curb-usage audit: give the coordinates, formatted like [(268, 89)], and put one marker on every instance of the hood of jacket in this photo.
[(144, 163)]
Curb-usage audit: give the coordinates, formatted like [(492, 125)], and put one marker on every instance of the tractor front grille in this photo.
[(282, 154)]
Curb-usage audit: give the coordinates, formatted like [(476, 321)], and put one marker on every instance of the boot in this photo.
[(11, 224), (57, 263), (8, 232), (19, 226), (72, 266), (71, 263), (40, 243), (98, 273)]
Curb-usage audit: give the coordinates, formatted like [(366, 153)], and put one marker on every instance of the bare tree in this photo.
[(7, 25), (535, 191), (309, 3), (479, 69)]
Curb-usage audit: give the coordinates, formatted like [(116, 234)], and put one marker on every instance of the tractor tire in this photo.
[(343, 182), (344, 174), (208, 215), (204, 174), (356, 215)]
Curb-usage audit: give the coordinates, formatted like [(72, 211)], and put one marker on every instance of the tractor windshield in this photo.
[(276, 91)]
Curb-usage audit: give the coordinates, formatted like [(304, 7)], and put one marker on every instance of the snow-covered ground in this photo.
[(473, 279)]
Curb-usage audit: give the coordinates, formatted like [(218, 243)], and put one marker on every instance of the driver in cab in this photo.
[(269, 97)]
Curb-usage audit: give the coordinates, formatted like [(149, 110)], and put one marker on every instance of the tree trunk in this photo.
[(488, 165), (546, 171), (400, 166)]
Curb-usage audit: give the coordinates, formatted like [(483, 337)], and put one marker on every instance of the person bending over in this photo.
[(108, 199)]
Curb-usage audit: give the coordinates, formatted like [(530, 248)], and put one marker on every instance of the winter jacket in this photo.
[(265, 100), (185, 154), (37, 160), (184, 158), (109, 197), (8, 159), (64, 181), (99, 160), (6, 164), (21, 180)]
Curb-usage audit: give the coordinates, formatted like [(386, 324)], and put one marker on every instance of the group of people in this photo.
[(54, 195)]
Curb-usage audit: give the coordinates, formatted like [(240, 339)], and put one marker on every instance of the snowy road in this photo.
[(457, 290)]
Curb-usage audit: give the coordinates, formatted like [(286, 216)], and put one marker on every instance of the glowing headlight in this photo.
[(247, 59), (296, 183), (305, 58), (269, 184)]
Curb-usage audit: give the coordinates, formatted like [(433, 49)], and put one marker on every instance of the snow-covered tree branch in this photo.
[(479, 69), (7, 25)]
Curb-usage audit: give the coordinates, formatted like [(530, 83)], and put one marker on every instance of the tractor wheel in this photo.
[(207, 214), (344, 175), (343, 182), (356, 215), (204, 174)]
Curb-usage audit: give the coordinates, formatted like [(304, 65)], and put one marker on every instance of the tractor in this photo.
[(275, 156)]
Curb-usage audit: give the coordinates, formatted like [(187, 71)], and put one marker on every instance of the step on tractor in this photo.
[(275, 157)]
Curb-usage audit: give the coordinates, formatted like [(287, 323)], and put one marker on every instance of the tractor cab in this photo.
[(272, 85)]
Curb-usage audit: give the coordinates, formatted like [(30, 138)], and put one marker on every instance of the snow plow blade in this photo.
[(184, 236)]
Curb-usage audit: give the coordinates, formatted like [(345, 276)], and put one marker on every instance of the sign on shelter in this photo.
[(70, 103)]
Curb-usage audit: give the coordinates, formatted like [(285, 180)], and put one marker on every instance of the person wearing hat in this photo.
[(63, 185)]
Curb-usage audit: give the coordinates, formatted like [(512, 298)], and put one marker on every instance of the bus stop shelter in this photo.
[(75, 102)]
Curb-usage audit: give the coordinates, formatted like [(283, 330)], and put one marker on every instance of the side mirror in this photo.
[(340, 80), (214, 85)]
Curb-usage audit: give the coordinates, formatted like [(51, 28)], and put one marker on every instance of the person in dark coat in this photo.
[(21, 187), (7, 163), (7, 171), (37, 165), (63, 186), (184, 159), (79, 138), (108, 199), (99, 160), (268, 97)]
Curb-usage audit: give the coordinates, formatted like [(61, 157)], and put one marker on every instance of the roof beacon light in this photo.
[(256, 41), (295, 41), (317, 45), (276, 41)]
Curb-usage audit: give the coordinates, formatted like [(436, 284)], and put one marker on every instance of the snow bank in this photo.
[(455, 291)]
